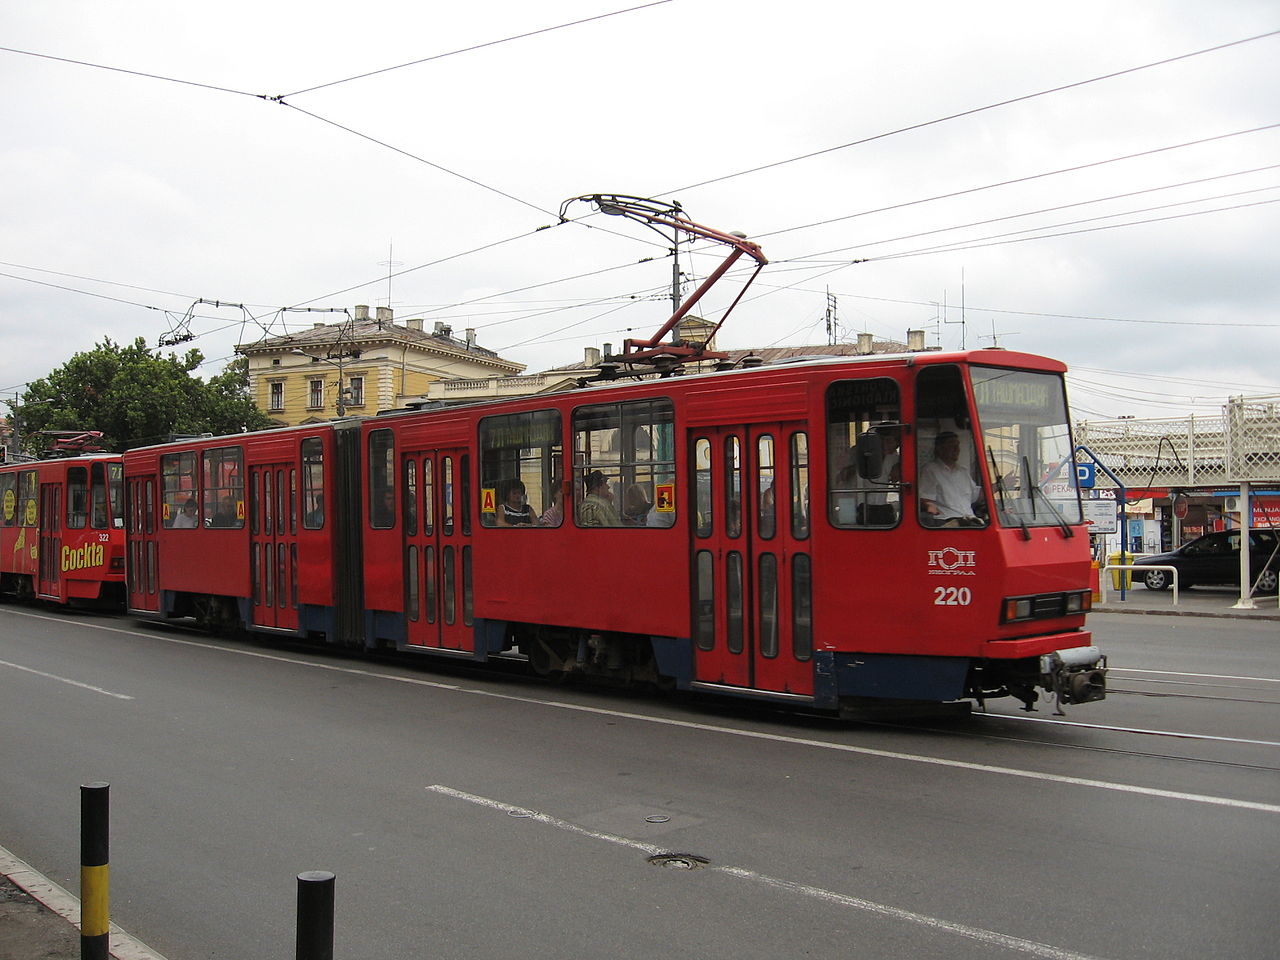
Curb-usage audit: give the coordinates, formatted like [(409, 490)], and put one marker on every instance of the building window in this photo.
[(277, 396), (357, 392), (315, 394)]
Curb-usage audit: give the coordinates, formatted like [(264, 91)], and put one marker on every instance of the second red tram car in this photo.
[(62, 529), (835, 533)]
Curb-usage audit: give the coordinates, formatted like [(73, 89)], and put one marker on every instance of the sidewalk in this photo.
[(39, 920), (1197, 602)]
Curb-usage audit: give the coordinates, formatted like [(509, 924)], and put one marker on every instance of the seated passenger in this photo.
[(187, 518), (553, 516), (596, 508), (635, 505), (513, 511), (947, 490)]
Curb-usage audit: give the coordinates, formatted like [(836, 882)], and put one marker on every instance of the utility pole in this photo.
[(831, 318)]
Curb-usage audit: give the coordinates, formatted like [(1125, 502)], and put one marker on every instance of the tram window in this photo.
[(800, 485), (115, 488), (77, 498), (411, 598), (766, 476), (735, 616), (428, 499), (98, 496), (312, 483), (9, 498), (28, 489), (293, 500), (446, 494), (767, 589), (464, 478), (521, 462), (149, 513), (733, 486), (178, 479), (224, 488), (627, 453), (702, 499), (864, 484), (949, 488), (704, 605), (382, 480), (411, 497), (468, 592), (801, 607)]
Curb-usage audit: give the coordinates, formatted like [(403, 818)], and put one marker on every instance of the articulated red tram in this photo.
[(62, 529), (834, 533)]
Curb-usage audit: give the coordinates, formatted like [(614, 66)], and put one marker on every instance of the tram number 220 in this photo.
[(952, 596)]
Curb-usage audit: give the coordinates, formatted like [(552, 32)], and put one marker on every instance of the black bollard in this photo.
[(315, 916), (95, 913)]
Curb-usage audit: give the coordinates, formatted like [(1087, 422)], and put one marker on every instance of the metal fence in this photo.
[(1242, 445)]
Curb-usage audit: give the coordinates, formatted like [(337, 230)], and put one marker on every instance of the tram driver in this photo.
[(948, 494)]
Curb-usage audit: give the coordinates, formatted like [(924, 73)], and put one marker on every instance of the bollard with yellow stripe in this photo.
[(95, 913)]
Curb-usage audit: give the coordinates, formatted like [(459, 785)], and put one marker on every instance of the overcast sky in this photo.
[(879, 129)]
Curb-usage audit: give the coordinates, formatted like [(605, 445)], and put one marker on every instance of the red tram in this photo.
[(62, 529), (838, 533)]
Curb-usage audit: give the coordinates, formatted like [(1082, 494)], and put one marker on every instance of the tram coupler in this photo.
[(1078, 675)]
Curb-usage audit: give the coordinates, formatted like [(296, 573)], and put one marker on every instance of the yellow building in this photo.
[(361, 366)]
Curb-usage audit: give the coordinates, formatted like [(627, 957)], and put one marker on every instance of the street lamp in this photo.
[(335, 360)]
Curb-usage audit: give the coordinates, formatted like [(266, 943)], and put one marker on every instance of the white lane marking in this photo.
[(74, 683), (1142, 730), (711, 728), (122, 946), (1180, 673), (989, 937)]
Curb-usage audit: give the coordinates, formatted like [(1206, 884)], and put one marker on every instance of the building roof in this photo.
[(367, 332)]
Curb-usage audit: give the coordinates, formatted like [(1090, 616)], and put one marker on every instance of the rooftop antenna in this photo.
[(831, 318), (390, 263), (962, 321)]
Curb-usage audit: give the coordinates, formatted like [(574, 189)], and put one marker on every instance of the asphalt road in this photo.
[(469, 815)]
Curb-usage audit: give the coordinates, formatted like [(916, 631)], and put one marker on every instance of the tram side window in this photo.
[(521, 466), (949, 487), (77, 498), (98, 517), (178, 477), (224, 487), (115, 489), (9, 498), (312, 483), (28, 491), (864, 433), (382, 480), (624, 463)]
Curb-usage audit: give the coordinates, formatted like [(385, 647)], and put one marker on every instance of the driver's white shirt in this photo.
[(951, 488)]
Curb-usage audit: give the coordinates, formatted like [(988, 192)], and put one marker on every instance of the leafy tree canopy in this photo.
[(135, 397)]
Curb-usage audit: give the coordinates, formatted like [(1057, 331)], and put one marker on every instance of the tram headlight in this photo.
[(1046, 606)]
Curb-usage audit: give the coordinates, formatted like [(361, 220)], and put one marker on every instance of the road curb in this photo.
[(37, 885), (1188, 613)]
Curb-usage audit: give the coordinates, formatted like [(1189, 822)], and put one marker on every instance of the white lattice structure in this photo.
[(1242, 445)]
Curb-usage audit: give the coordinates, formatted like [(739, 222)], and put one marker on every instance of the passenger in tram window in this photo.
[(226, 515), (384, 510), (636, 505), (597, 508), (187, 518), (947, 489), (553, 516), (314, 518), (514, 510), (882, 501)]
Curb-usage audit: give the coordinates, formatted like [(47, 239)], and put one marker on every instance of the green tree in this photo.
[(135, 396)]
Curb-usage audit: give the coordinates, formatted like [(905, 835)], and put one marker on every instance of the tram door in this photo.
[(437, 551), (752, 571), (142, 567), (50, 583), (273, 544)]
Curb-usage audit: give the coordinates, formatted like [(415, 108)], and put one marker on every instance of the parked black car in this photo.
[(1215, 558)]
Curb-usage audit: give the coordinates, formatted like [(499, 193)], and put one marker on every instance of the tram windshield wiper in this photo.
[(1035, 489), (997, 483)]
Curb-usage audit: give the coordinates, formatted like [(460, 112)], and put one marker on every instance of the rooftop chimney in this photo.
[(439, 330), (915, 341), (591, 356), (414, 323), (384, 315), (362, 311), (471, 337), (865, 341), (316, 325)]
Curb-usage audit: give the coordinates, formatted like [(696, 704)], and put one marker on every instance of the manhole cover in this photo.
[(678, 861), (519, 813), (657, 818)]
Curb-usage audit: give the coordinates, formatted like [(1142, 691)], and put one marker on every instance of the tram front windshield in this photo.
[(1025, 443)]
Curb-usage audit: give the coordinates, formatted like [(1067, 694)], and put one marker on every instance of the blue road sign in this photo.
[(1086, 474)]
